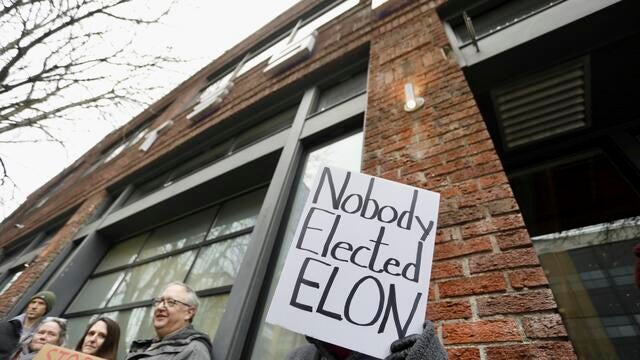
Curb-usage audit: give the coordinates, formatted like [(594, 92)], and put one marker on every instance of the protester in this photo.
[(39, 305), (425, 346), (9, 337), (176, 338), (52, 330), (100, 339)]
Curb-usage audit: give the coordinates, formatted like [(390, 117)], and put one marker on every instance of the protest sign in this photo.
[(357, 272), (52, 352)]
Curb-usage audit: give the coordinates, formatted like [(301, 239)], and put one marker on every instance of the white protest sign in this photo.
[(357, 273)]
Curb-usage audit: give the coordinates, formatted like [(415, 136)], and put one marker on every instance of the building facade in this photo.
[(528, 131)]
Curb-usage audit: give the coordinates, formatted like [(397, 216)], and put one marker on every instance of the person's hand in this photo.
[(401, 347), (418, 346)]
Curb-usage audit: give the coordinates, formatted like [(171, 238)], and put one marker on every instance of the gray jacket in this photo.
[(426, 347), (24, 353), (187, 343)]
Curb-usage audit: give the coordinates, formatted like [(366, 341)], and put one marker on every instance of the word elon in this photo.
[(361, 256)]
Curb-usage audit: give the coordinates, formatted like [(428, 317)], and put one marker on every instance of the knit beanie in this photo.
[(48, 296)]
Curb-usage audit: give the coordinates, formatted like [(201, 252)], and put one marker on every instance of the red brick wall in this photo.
[(49, 253), (489, 296)]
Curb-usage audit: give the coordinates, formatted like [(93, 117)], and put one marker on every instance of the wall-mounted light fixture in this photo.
[(411, 102)]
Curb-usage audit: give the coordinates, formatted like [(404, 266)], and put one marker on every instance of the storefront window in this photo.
[(204, 250), (591, 274), (273, 342)]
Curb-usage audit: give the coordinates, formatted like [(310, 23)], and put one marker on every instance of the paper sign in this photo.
[(357, 272), (52, 352)]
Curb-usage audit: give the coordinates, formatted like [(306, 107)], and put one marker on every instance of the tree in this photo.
[(71, 59)]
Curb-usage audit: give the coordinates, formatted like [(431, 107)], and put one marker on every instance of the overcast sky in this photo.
[(198, 30)]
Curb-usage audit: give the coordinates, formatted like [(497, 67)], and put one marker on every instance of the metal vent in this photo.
[(546, 104)]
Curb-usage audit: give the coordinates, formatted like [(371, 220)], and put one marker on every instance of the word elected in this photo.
[(362, 256)]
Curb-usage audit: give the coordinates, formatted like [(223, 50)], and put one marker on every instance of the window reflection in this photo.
[(237, 214), (145, 281), (188, 231), (591, 273), (218, 263), (274, 342)]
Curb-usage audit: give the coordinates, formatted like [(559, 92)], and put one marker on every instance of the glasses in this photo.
[(168, 302)]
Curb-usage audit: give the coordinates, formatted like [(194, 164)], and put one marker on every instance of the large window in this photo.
[(591, 273), (204, 250), (274, 342), (214, 152)]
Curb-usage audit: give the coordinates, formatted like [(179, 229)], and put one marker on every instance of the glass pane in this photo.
[(146, 281), (134, 324), (96, 292), (200, 160), (316, 23), (591, 274), (9, 280), (265, 128), (500, 17), (122, 254), (218, 263), (187, 231), (237, 214), (209, 313), (145, 188), (115, 152), (75, 329), (274, 342), (342, 91)]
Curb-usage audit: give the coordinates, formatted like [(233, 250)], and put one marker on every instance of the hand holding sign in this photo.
[(357, 273)]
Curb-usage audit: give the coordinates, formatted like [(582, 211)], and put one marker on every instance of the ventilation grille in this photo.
[(544, 105)]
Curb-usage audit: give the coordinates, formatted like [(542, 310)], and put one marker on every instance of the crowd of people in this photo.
[(22, 337)]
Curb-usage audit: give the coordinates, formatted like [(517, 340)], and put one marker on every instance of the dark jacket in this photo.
[(426, 347), (9, 337), (187, 343)]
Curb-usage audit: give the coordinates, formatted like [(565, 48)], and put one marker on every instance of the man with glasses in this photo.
[(175, 336)]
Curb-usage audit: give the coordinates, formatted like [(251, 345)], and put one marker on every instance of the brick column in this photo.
[(489, 297), (49, 252)]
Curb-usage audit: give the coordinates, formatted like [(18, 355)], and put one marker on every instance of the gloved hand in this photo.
[(418, 346)]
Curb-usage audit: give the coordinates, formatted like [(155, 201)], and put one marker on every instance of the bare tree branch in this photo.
[(60, 58)]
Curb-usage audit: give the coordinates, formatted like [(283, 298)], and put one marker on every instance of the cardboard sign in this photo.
[(357, 272), (52, 352)]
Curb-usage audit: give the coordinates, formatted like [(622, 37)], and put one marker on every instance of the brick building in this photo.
[(529, 131)]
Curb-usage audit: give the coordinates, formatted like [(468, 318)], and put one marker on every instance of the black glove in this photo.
[(418, 346)]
